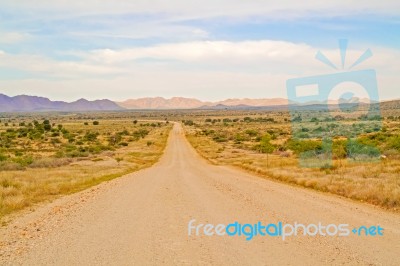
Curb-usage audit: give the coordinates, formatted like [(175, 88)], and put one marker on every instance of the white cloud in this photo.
[(205, 51), (13, 37), (143, 30), (212, 8), (46, 67), (206, 69), (270, 56)]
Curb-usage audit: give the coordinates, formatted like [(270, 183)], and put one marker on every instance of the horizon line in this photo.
[(169, 98)]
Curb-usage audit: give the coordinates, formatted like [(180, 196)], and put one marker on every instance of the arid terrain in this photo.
[(199, 133), (44, 156), (142, 218)]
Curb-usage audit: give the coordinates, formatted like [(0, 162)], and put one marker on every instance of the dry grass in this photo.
[(49, 177), (376, 183)]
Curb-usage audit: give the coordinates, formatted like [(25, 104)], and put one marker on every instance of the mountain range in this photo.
[(191, 103), (25, 103)]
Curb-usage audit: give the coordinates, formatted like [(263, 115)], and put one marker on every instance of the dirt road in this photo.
[(142, 219)]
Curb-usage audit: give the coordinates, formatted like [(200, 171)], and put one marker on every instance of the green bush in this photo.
[(251, 132), (188, 122), (300, 146), (3, 157), (394, 142), (90, 136), (23, 161), (265, 145)]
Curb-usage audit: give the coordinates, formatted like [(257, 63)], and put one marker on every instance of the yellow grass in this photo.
[(376, 183), (24, 188)]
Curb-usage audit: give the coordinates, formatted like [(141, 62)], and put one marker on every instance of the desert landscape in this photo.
[(199, 133), (158, 169)]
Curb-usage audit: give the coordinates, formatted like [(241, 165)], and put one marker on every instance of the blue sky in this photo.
[(212, 51)]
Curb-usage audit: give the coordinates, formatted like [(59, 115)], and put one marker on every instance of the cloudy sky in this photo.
[(210, 49)]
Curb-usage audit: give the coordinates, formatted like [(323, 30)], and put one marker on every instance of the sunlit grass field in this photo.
[(44, 156), (71, 154), (238, 139)]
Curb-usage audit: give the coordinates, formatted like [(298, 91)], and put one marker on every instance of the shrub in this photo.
[(220, 138), (76, 153), (265, 144), (251, 132), (239, 138), (50, 162), (356, 150), (3, 157), (90, 136), (23, 161), (47, 127), (96, 123), (141, 133), (394, 142), (299, 146), (188, 122), (10, 166)]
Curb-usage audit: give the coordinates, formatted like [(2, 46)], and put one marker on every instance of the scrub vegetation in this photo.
[(46, 155), (362, 159)]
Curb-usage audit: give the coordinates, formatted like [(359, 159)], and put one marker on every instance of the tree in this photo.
[(266, 146), (339, 150), (47, 127)]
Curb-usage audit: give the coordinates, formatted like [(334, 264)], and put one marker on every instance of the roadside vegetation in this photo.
[(42, 157), (362, 159)]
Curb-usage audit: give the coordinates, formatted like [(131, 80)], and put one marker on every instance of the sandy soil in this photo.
[(142, 219)]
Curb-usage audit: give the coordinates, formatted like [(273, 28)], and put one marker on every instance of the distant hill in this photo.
[(25, 103), (389, 105), (190, 103), (162, 103)]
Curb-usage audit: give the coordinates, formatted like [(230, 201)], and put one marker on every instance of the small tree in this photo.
[(96, 123), (47, 127), (266, 146)]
